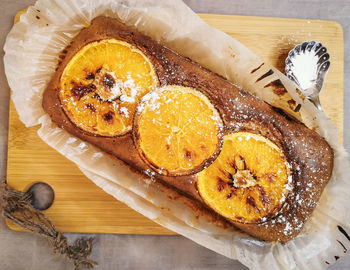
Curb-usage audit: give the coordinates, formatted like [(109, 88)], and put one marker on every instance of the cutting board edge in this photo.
[(166, 232), (336, 24)]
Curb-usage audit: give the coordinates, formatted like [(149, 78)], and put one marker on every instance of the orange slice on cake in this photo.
[(177, 131), (249, 180), (102, 84)]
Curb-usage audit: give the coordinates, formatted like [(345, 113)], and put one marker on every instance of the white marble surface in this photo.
[(25, 251)]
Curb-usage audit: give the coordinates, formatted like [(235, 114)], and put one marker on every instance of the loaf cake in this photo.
[(234, 159)]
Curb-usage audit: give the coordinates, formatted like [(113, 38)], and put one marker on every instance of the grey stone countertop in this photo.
[(25, 251)]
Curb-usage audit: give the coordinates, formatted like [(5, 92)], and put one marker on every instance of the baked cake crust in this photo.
[(308, 154)]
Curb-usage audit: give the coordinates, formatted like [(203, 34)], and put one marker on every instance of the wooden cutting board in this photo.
[(80, 206)]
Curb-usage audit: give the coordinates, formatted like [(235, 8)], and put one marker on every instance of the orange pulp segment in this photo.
[(249, 180), (177, 130), (102, 85)]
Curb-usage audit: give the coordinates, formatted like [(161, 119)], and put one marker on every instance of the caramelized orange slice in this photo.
[(177, 130), (249, 180), (102, 85)]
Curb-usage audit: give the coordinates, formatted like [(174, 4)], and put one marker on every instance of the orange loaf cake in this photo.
[(232, 158)]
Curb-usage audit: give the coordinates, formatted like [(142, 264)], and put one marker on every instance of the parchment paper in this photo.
[(31, 54)]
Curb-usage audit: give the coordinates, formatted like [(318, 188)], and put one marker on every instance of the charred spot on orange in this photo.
[(248, 181), (167, 130), (90, 76), (108, 117), (108, 81), (90, 107), (80, 90), (221, 184), (101, 85), (188, 154)]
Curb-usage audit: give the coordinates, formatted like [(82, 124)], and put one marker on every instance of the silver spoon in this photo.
[(307, 65)]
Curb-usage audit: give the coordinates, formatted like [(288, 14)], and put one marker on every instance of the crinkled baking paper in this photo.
[(31, 54)]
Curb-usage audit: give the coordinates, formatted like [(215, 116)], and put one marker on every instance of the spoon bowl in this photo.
[(307, 66)]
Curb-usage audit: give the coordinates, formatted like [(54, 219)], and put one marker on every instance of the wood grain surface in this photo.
[(80, 206)]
